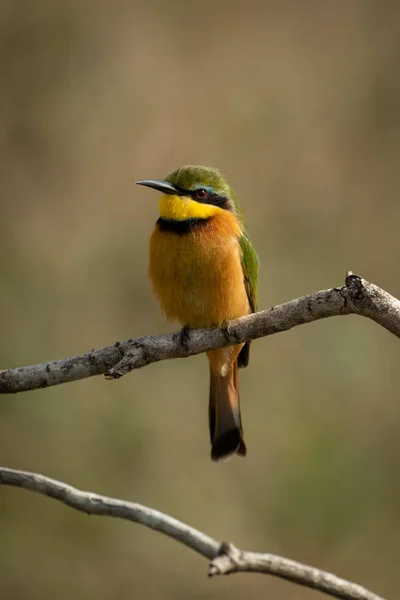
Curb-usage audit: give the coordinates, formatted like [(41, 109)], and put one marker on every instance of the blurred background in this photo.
[(299, 105)]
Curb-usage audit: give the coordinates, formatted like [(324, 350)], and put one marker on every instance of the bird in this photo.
[(204, 273)]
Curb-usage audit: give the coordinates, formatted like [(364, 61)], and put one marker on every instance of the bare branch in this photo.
[(232, 560), (357, 296), (225, 558)]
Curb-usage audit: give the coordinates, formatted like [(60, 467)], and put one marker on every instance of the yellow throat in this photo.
[(181, 208)]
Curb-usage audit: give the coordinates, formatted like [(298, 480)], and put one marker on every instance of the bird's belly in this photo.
[(198, 277)]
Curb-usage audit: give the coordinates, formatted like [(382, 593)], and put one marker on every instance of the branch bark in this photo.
[(224, 557), (356, 296)]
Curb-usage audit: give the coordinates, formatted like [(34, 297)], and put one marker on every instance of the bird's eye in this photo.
[(201, 194)]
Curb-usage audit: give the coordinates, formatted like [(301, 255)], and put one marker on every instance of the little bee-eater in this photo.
[(204, 272)]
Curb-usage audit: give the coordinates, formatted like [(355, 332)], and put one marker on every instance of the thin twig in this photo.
[(225, 558), (357, 296)]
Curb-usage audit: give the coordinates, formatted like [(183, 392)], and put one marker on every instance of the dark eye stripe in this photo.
[(211, 198), (216, 200)]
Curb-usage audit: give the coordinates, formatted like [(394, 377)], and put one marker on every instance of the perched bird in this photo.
[(204, 272)]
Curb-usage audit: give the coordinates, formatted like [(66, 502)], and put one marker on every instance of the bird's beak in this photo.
[(161, 186)]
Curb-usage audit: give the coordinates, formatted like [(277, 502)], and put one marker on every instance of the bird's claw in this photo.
[(184, 337), (227, 330)]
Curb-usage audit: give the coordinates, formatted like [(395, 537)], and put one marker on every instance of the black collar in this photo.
[(181, 226)]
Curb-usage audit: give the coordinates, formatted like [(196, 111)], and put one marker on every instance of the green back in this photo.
[(250, 266), (250, 262)]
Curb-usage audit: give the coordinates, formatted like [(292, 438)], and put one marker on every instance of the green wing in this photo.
[(250, 266), (250, 274), (250, 262)]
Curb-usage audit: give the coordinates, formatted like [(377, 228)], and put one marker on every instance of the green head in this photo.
[(206, 185)]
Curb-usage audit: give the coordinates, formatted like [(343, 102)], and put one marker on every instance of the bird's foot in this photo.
[(184, 337), (226, 330)]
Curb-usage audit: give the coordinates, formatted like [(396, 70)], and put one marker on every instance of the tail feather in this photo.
[(224, 415)]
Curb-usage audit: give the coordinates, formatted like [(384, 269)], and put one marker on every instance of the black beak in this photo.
[(161, 186)]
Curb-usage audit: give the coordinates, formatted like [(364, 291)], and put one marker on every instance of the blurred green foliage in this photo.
[(299, 104)]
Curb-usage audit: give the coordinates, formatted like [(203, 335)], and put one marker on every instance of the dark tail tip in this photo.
[(228, 443)]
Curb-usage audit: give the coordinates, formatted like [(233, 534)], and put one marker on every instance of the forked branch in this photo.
[(355, 297), (224, 558)]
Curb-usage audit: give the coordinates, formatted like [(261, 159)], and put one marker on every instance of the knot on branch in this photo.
[(354, 284), (135, 353), (368, 300), (227, 560), (359, 292)]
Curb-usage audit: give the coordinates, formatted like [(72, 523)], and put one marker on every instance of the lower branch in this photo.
[(225, 558), (232, 560)]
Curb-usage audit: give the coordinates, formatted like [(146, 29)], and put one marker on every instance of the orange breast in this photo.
[(197, 276)]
